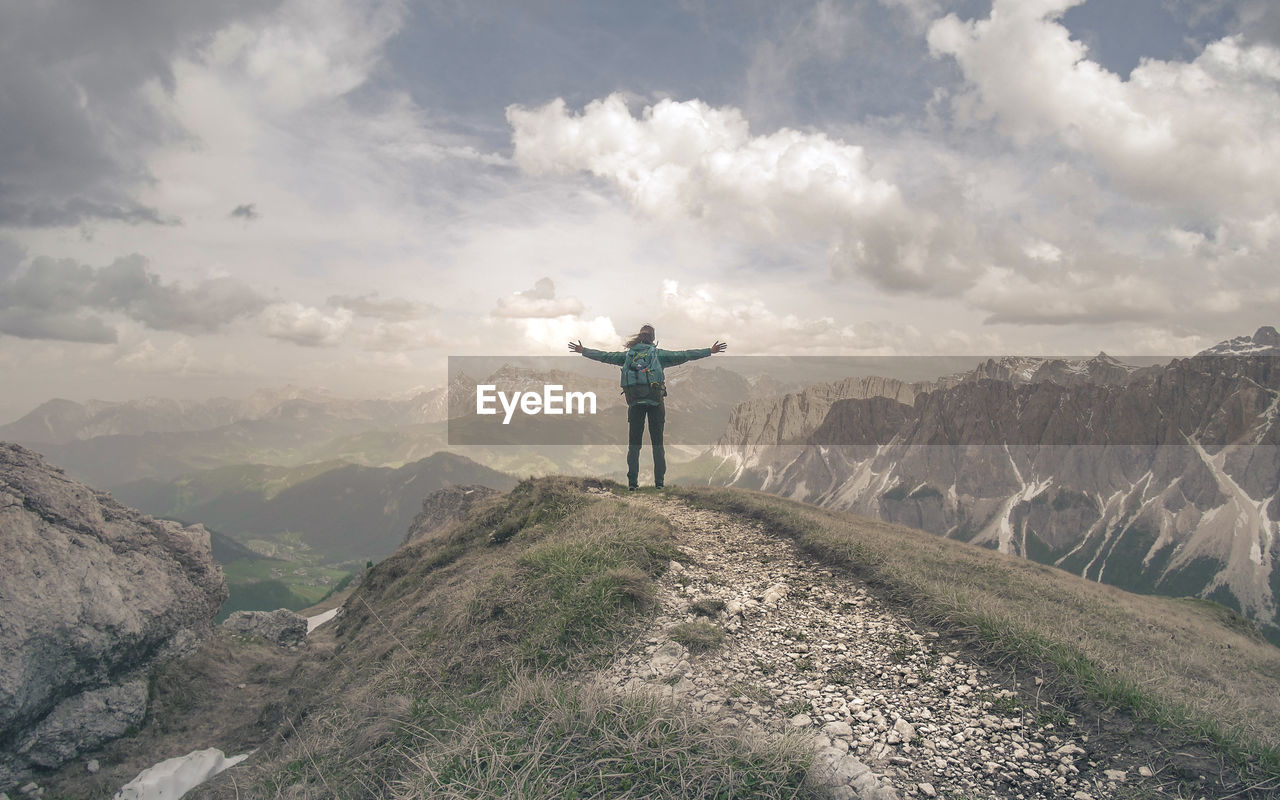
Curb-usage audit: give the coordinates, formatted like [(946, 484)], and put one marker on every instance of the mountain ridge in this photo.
[(343, 510), (543, 631), (1160, 479), (773, 589)]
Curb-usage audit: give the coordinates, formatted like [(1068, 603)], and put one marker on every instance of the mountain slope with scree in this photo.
[(569, 638)]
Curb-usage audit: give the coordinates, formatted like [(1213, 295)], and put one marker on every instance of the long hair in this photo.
[(645, 335)]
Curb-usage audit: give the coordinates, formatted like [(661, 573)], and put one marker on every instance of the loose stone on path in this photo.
[(894, 714)]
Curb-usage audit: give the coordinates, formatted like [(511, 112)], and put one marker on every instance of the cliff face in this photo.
[(93, 595)]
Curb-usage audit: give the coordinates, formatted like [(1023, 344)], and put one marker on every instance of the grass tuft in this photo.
[(707, 606), (545, 738), (699, 636)]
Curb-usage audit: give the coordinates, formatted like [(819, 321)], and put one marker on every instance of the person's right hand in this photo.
[(719, 346), (576, 346)]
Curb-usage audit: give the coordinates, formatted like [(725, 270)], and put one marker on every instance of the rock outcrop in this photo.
[(446, 506), (93, 596), (281, 627)]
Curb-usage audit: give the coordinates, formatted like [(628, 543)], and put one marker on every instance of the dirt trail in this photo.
[(896, 713)]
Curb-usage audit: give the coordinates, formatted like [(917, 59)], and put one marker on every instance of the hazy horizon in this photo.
[(794, 371)]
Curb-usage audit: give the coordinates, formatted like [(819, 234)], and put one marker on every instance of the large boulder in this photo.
[(93, 596)]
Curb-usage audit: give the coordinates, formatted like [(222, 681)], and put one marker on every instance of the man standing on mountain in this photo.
[(644, 387)]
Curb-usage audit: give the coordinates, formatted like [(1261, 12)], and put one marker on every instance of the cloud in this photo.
[(398, 336), (753, 328), (920, 12), (59, 299), (540, 301), (87, 90), (19, 209), (247, 212), (688, 160), (66, 326), (310, 51), (370, 305), (1072, 296), (825, 62), (1200, 138), (11, 257), (552, 334), (128, 285), (74, 96), (540, 321), (821, 34), (306, 326), (1258, 20), (178, 358)]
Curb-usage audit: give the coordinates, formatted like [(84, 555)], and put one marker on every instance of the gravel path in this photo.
[(895, 713)]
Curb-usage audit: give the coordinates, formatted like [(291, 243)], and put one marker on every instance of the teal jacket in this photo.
[(667, 358)]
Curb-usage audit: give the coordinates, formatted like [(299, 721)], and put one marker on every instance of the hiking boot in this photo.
[(633, 488)]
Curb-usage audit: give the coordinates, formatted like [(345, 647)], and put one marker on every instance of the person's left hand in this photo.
[(576, 346), (719, 346)]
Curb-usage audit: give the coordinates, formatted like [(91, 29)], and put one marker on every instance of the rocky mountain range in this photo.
[(105, 451), (1090, 464), (94, 595), (1264, 341), (1160, 479)]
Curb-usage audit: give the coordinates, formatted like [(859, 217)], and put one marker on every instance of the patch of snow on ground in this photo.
[(174, 777), (320, 619)]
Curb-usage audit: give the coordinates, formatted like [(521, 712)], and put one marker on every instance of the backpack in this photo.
[(642, 377)]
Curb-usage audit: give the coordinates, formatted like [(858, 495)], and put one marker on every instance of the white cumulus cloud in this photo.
[(310, 327), (539, 301), (552, 334), (688, 160), (1202, 137), (752, 327)]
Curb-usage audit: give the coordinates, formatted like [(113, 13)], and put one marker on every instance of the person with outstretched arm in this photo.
[(644, 387)]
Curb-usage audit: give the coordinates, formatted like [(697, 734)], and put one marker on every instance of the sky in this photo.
[(203, 199)]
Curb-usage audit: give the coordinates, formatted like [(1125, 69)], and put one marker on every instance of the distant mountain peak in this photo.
[(1264, 341), (1101, 369)]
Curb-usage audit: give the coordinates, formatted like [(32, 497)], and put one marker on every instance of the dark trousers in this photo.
[(636, 415)]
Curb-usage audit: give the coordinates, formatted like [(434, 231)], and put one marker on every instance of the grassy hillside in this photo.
[(456, 668), (454, 673), (177, 496), (1196, 671)]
